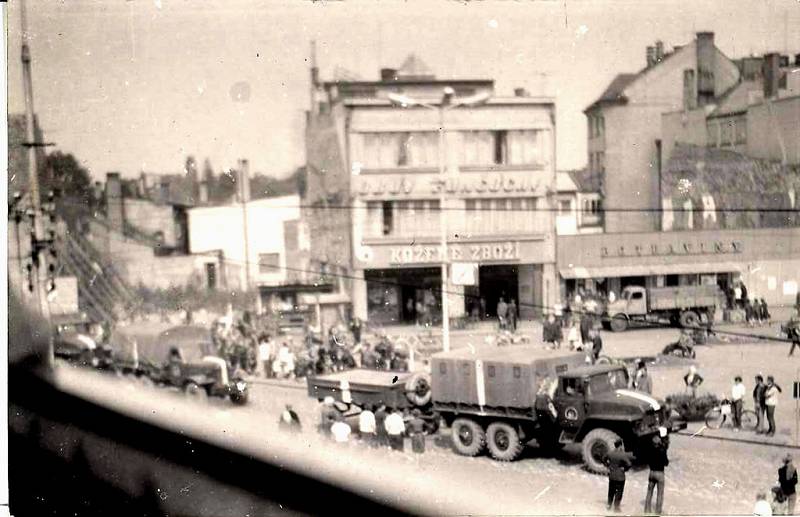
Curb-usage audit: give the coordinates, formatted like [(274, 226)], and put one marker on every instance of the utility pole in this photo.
[(244, 180), (38, 242)]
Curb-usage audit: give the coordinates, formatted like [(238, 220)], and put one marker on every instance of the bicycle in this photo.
[(717, 416)]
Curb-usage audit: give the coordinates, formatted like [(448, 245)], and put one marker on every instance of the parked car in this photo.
[(73, 341)]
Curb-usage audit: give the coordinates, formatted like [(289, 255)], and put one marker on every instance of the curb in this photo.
[(738, 440)]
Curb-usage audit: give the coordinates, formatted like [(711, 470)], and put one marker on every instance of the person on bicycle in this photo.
[(737, 398)]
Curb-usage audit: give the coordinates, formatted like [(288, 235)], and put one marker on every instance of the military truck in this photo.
[(500, 399), (685, 306)]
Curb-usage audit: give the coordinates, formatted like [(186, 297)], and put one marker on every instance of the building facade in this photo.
[(625, 124), (491, 182)]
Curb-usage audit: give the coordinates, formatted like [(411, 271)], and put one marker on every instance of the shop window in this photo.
[(672, 280), (269, 262)]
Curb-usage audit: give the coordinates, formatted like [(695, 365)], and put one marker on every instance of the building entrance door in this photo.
[(496, 282)]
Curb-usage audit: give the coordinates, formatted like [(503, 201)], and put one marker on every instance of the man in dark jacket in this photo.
[(597, 345), (657, 461), (787, 478), (586, 327), (618, 461), (759, 403)]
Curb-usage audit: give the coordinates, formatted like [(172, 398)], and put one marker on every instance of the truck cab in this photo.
[(632, 301), (595, 406)]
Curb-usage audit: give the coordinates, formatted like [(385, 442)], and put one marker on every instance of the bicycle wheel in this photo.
[(714, 418), (749, 419)]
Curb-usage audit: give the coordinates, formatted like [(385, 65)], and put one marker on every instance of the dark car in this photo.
[(187, 358), (73, 341)]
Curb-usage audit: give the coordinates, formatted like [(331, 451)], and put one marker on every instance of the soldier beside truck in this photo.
[(499, 399)]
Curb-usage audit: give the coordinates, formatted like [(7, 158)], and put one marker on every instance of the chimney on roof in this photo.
[(659, 51), (651, 56), (521, 92), (114, 211), (163, 191), (689, 90), (772, 73), (706, 59), (388, 74)]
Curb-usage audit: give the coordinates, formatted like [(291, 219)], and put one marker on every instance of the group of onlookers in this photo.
[(378, 426), (618, 462), (582, 334)]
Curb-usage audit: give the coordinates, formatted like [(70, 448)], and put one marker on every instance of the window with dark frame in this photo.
[(388, 217), (500, 147)]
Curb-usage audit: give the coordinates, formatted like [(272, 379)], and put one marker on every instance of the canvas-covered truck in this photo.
[(685, 306), (500, 399)]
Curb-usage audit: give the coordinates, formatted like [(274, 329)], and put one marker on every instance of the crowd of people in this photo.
[(377, 426)]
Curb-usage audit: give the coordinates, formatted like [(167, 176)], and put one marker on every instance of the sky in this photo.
[(138, 85)]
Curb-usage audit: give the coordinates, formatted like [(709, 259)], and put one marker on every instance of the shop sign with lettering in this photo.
[(683, 248), (421, 254), (465, 184)]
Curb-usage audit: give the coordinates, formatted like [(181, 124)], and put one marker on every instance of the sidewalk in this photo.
[(699, 430)]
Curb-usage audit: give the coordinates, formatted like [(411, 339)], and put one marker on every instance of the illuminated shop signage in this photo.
[(469, 183), (495, 251), (670, 249)]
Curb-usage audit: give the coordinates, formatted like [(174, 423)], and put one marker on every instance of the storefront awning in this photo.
[(653, 269)]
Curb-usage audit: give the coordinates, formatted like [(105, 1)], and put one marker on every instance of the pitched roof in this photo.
[(613, 93), (586, 180), (736, 99)]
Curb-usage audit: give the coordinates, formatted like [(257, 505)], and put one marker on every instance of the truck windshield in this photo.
[(610, 381)]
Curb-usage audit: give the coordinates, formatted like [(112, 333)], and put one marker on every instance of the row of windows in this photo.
[(727, 132), (480, 217), (479, 148)]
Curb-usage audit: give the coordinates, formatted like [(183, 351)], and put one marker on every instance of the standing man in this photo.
[(340, 430), (502, 313), (355, 328), (657, 461), (366, 426), (586, 327), (737, 397), (617, 461), (642, 381), (417, 431), (792, 330), (265, 354), (512, 315), (737, 295), (597, 345), (759, 403), (787, 478), (693, 380), (771, 401), (381, 436), (395, 428), (328, 416)]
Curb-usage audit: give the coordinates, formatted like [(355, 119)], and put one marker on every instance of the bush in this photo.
[(692, 409)]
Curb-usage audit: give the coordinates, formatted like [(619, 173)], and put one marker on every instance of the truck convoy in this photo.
[(499, 399), (686, 306)]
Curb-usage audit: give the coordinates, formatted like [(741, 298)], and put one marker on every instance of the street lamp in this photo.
[(449, 101)]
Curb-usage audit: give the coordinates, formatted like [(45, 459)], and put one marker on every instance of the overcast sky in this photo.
[(140, 84)]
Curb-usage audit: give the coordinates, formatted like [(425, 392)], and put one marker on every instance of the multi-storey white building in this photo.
[(493, 178)]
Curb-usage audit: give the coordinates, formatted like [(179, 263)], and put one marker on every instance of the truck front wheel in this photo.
[(503, 441), (468, 437), (595, 446), (619, 323)]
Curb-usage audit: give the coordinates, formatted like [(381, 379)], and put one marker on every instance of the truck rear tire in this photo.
[(619, 323), (595, 445), (689, 319), (503, 441), (468, 437)]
